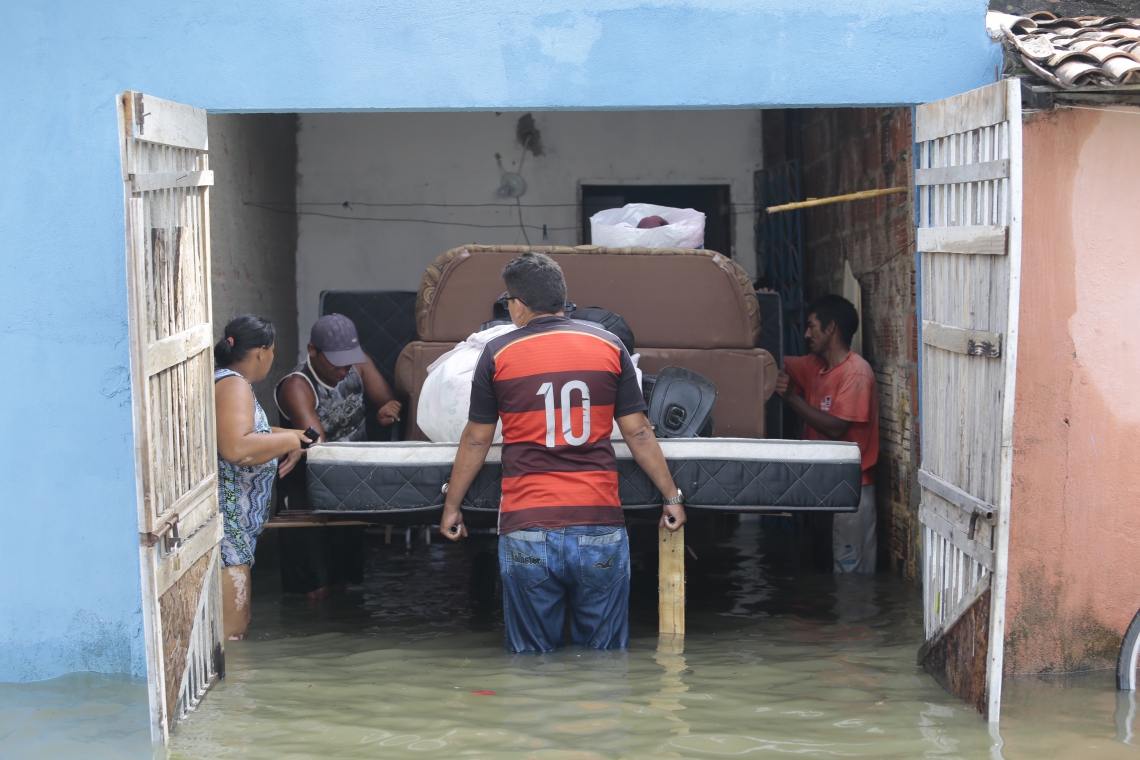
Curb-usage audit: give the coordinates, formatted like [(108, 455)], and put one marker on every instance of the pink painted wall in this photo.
[(1074, 554)]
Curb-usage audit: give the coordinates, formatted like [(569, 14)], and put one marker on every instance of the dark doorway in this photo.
[(711, 200)]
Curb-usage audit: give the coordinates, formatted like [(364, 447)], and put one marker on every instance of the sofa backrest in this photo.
[(670, 297)]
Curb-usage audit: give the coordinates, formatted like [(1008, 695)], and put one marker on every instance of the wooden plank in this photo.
[(188, 512), (197, 505), (1009, 393), (168, 123), (980, 239), (958, 658), (955, 495), (167, 352), (193, 547), (671, 581), (960, 340), (303, 518), (971, 549), (142, 183), (812, 202), (971, 110), (954, 175)]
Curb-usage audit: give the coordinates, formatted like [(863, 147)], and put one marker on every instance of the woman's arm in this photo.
[(237, 442)]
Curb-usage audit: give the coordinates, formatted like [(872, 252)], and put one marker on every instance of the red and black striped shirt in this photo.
[(557, 384)]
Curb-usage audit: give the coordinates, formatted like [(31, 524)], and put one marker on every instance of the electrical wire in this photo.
[(350, 204), (382, 219), (893, 256), (523, 226)]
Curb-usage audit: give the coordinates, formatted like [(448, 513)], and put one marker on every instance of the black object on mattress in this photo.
[(402, 483)]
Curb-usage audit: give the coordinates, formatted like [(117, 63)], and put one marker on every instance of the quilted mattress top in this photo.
[(675, 449)]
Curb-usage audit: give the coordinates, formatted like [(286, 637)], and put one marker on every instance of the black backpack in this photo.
[(608, 321), (501, 316)]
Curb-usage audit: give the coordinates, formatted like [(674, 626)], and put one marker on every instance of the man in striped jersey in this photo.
[(558, 386)]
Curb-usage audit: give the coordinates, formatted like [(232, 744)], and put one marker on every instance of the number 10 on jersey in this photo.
[(547, 390)]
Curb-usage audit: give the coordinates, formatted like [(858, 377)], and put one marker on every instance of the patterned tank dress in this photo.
[(243, 493)]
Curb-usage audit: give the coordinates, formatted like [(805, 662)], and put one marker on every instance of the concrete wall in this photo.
[(451, 158), (253, 252), (69, 511), (1074, 583), (844, 150)]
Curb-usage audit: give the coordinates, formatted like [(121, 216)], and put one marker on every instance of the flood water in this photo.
[(779, 658)]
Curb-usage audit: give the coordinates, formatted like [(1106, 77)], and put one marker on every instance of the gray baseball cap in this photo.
[(334, 335)]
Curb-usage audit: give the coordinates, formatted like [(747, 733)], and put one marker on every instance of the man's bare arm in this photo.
[(299, 404), (827, 424), (638, 435), (379, 392), (473, 447)]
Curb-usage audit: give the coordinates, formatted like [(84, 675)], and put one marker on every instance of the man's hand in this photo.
[(675, 511), (829, 425), (473, 447), (451, 524), (389, 413), (783, 385)]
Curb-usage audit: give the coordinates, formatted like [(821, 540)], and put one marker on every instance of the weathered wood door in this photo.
[(167, 178), (968, 202)]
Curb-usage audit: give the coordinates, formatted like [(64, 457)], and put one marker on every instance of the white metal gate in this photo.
[(968, 201), (166, 178)]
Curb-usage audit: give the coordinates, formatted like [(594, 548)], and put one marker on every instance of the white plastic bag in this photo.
[(617, 227), (445, 398)]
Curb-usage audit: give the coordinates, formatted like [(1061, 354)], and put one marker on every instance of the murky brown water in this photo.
[(777, 659)]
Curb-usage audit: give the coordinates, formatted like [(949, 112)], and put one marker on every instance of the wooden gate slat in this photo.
[(178, 348), (960, 340), (955, 495), (143, 183), (976, 239), (962, 173)]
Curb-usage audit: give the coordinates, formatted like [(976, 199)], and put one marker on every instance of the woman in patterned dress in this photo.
[(248, 453)]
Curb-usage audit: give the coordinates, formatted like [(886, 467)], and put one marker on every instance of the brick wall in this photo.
[(843, 150)]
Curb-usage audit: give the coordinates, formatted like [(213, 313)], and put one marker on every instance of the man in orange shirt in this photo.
[(839, 402)]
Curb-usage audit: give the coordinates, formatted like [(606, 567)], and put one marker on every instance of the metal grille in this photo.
[(779, 247)]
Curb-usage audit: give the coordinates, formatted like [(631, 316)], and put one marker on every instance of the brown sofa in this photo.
[(687, 308)]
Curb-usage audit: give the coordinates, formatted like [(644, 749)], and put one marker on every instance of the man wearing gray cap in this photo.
[(327, 392)]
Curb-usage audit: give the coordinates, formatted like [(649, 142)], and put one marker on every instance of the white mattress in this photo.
[(751, 449)]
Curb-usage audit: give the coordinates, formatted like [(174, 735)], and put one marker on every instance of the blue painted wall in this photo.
[(68, 543)]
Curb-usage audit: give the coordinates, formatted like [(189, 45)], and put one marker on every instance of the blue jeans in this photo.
[(585, 567)]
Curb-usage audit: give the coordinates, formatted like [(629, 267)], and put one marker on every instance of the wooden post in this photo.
[(671, 581)]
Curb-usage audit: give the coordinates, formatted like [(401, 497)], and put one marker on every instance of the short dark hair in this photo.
[(247, 331), (837, 309), (537, 281)]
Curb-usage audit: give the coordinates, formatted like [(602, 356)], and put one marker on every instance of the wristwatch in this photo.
[(675, 500)]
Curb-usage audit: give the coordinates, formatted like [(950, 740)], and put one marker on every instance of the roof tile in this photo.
[(1102, 51)]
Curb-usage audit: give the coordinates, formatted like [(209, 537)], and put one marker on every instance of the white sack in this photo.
[(617, 227), (445, 398)]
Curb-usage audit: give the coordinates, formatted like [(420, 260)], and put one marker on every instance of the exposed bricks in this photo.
[(842, 151)]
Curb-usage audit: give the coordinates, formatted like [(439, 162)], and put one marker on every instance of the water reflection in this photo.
[(777, 658)]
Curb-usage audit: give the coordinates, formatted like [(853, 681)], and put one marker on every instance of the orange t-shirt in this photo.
[(848, 392)]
